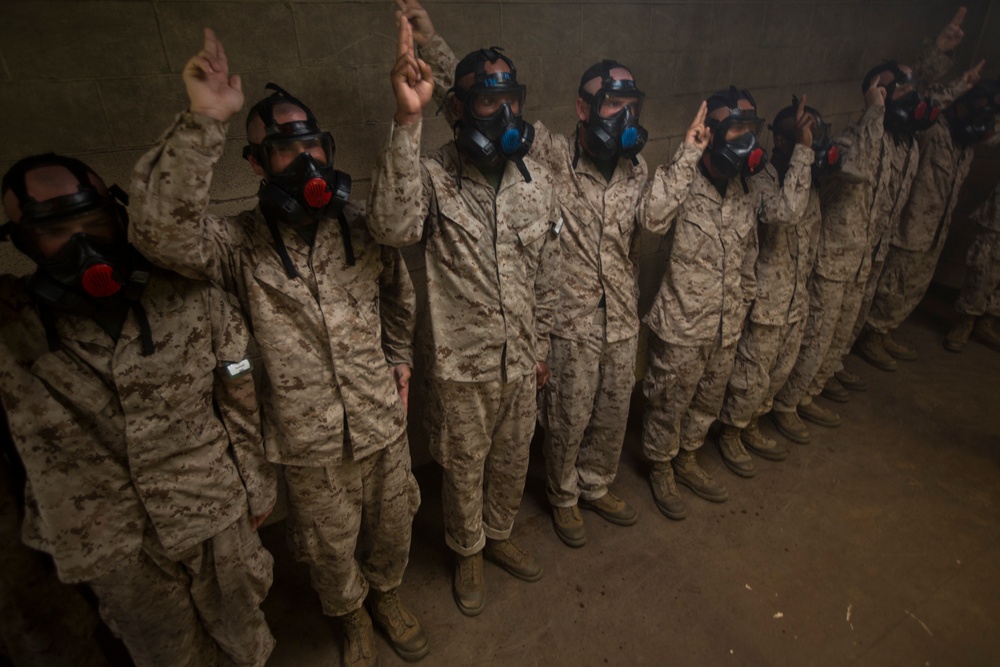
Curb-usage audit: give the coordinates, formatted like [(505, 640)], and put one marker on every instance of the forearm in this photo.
[(442, 60), (668, 190), (398, 308), (398, 202), (168, 218), (236, 401)]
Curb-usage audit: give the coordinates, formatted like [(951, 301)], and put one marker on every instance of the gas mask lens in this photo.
[(485, 103), (740, 127), (281, 151), (48, 239), (611, 104)]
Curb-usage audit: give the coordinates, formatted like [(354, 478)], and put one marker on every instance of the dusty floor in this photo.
[(877, 544)]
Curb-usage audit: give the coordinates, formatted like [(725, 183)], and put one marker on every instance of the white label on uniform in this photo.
[(556, 228), (238, 368)]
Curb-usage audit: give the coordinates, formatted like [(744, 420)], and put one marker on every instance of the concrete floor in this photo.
[(877, 544)]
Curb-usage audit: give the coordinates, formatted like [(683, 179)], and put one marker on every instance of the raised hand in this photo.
[(972, 76), (419, 20), (952, 34), (697, 134), (875, 95), (804, 124), (211, 90), (401, 377), (412, 81)]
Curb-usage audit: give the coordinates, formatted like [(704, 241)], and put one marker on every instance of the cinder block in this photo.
[(330, 91), (77, 40), (467, 26), (540, 30), (60, 116), (233, 177), (682, 27), (671, 117), (140, 109), (560, 78), (529, 72), (256, 35), (702, 72), (654, 73), (345, 35), (787, 24), (610, 29), (358, 146), (558, 120), (114, 166)]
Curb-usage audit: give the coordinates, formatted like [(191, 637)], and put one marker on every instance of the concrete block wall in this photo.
[(100, 79)]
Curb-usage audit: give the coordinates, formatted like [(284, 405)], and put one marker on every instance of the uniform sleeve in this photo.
[(668, 189), (398, 308), (861, 144), (237, 404), (168, 219), (946, 93), (547, 282), (931, 64), (785, 204), (400, 197), (442, 62), (748, 277)]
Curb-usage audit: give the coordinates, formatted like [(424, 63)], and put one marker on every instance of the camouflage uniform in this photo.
[(584, 407), (843, 258), (918, 240), (43, 622), (707, 288), (329, 401), (894, 192), (981, 291), (491, 258), (134, 484), (770, 341)]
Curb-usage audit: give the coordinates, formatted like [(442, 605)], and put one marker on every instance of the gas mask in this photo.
[(94, 261), (827, 153), (612, 128), (978, 109), (735, 150), (910, 113), (308, 188), (492, 130)]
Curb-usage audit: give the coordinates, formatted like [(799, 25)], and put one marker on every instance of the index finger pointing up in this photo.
[(959, 17)]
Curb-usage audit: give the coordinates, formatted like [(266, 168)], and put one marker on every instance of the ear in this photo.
[(257, 169), (582, 110)]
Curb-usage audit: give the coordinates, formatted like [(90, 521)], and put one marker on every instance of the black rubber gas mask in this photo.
[(308, 188), (909, 113), (93, 257), (827, 153), (492, 130), (972, 117), (612, 128), (735, 149)]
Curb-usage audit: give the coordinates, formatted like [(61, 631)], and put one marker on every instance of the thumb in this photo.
[(236, 82)]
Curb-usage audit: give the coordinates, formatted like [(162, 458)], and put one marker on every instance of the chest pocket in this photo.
[(691, 237), (453, 210), (80, 387)]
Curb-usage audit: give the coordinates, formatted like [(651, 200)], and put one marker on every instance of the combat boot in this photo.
[(760, 444), (665, 495), (869, 347), (359, 639), (733, 454), (899, 349), (467, 586), (690, 474), (958, 335), (835, 391), (986, 333), (612, 509), (401, 627), (569, 526), (817, 414), (790, 426), (851, 381), (517, 560)]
